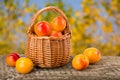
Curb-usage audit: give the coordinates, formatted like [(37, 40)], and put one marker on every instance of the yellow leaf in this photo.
[(103, 19), (27, 10), (39, 18), (95, 13), (107, 29), (77, 13), (19, 22), (86, 10), (72, 20)]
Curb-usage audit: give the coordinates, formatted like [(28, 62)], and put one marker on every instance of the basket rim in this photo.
[(52, 38)]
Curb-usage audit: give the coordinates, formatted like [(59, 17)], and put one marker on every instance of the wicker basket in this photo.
[(48, 52)]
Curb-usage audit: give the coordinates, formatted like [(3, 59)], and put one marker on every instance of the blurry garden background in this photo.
[(94, 23)]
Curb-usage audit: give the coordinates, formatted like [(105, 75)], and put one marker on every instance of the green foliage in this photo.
[(95, 25), (12, 27), (86, 27)]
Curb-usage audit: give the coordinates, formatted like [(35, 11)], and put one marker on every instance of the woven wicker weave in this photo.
[(48, 52)]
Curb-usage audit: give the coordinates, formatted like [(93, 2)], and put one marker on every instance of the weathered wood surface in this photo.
[(108, 68)]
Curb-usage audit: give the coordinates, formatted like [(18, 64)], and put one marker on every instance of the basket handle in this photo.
[(57, 10)]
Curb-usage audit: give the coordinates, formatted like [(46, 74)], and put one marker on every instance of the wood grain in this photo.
[(108, 68)]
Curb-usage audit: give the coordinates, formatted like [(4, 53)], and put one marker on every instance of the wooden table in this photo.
[(108, 68)]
